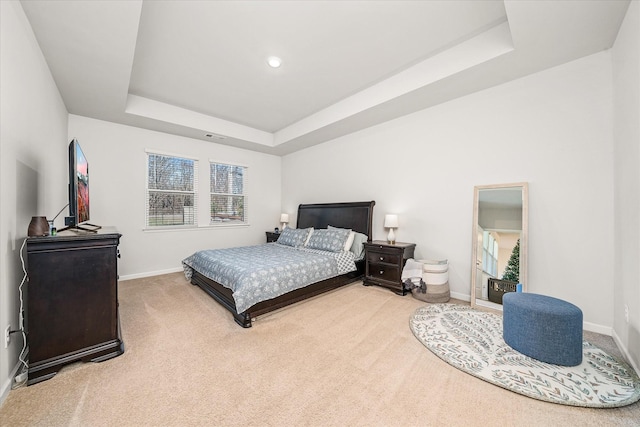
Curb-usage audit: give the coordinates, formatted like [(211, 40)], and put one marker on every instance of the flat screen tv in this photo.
[(78, 190)]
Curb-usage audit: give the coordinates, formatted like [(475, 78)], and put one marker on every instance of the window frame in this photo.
[(149, 191), (244, 195)]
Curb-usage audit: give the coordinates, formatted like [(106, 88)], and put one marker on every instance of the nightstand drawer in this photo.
[(389, 258), (385, 248), (384, 263), (384, 272)]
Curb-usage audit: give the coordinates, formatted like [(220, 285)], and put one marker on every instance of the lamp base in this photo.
[(391, 238)]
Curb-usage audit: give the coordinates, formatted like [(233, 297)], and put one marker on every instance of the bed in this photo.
[(356, 216)]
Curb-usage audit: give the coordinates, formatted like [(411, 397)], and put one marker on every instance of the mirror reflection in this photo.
[(499, 242)]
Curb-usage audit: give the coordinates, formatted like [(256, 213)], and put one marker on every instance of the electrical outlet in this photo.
[(626, 313), (7, 336)]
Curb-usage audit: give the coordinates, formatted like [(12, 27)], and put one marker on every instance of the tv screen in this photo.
[(78, 191), (81, 184)]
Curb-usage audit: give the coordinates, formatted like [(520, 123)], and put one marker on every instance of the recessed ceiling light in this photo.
[(274, 61)]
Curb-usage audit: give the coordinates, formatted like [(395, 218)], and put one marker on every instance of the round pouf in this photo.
[(542, 327)]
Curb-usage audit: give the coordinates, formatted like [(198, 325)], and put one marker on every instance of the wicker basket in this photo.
[(436, 277)]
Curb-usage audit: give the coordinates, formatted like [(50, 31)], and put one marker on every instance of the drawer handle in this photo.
[(381, 271), (381, 258)]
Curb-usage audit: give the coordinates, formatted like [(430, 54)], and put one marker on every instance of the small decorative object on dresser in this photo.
[(272, 236), (39, 226), (384, 263)]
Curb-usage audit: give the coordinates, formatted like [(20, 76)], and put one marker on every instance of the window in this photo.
[(171, 190), (228, 193), (489, 254)]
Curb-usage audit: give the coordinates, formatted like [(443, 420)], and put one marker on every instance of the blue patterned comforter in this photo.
[(259, 273)]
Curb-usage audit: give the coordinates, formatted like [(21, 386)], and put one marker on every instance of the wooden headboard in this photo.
[(358, 216)]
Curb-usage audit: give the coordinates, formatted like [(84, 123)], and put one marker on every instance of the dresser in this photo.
[(72, 300), (384, 263)]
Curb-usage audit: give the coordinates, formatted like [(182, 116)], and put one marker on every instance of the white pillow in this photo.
[(349, 242), (306, 242), (358, 245)]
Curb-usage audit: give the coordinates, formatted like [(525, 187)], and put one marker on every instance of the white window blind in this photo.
[(229, 203), (172, 184)]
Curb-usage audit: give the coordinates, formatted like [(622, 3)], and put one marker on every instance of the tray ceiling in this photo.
[(198, 68)]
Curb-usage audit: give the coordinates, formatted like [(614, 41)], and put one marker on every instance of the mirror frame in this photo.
[(524, 238)]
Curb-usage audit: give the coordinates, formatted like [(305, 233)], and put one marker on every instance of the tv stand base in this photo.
[(91, 228)]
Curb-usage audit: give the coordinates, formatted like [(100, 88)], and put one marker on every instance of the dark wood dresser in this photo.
[(72, 300), (384, 263)]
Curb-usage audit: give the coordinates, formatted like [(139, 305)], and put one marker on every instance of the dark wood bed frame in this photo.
[(357, 216)]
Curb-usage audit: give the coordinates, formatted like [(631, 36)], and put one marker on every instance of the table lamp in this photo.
[(284, 219), (391, 222)]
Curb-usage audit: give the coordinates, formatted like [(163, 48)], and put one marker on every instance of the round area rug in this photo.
[(471, 340)]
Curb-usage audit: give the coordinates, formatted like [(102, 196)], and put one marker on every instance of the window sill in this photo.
[(225, 225), (192, 228)]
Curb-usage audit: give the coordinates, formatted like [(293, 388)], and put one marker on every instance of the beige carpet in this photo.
[(347, 358)]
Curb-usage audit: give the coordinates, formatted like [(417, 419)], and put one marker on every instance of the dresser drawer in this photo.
[(384, 272), (384, 257)]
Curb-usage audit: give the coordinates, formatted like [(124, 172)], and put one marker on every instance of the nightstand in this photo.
[(272, 237), (384, 264)]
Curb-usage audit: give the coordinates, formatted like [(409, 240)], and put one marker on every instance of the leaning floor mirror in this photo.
[(499, 251)]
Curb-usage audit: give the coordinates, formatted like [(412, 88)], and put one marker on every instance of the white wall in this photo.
[(552, 129), (33, 133), (117, 162), (626, 89)]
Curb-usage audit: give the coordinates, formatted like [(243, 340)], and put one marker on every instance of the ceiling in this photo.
[(198, 68)]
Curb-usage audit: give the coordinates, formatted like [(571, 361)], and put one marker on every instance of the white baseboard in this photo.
[(591, 327), (599, 329), (625, 351), (6, 386), (461, 297), (150, 274)]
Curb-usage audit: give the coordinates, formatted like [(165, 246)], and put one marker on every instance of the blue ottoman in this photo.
[(542, 327)]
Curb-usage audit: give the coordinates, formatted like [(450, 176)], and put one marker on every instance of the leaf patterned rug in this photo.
[(471, 340)]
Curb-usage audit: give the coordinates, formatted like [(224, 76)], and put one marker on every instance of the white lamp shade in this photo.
[(284, 218), (391, 221)]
